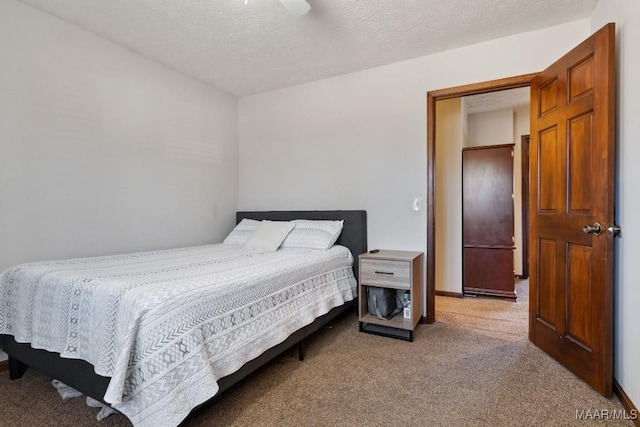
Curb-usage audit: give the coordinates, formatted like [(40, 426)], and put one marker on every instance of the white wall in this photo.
[(490, 128), (358, 141), (450, 138), (626, 15), (103, 151)]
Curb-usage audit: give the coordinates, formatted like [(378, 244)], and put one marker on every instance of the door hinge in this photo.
[(512, 152)]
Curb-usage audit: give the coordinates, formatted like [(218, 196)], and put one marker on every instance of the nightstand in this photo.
[(397, 270)]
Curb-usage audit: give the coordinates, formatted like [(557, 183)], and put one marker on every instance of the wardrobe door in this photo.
[(487, 221)]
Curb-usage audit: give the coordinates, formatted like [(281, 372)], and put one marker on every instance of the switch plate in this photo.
[(417, 203)]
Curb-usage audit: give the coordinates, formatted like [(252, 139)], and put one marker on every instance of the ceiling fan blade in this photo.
[(296, 7)]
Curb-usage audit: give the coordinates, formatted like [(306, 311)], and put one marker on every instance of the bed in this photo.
[(186, 380)]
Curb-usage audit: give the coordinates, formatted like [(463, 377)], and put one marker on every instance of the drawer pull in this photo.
[(385, 272)]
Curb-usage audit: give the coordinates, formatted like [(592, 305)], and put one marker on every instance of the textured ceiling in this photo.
[(259, 46), (511, 98)]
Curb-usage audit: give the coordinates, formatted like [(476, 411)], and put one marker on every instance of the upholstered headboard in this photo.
[(354, 231)]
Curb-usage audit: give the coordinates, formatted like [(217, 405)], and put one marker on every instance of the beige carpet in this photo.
[(473, 367)]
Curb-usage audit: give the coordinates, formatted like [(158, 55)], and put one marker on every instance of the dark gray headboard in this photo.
[(354, 231)]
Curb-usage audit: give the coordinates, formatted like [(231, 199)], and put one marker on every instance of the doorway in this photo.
[(572, 184), (432, 98)]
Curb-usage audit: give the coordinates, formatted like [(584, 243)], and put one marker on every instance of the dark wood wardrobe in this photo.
[(487, 221)]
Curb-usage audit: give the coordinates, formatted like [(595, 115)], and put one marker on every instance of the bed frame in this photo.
[(81, 376)]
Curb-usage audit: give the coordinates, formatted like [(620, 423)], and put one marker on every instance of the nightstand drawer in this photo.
[(385, 273)]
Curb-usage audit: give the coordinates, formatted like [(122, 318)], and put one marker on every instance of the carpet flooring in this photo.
[(473, 367)]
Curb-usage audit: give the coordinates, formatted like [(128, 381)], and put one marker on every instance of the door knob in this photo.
[(613, 229), (595, 229)]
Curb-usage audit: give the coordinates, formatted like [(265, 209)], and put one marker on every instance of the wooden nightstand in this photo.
[(398, 270)]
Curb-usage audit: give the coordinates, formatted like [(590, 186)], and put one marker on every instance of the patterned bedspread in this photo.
[(166, 325)]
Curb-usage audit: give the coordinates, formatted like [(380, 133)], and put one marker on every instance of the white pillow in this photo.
[(269, 235), (241, 232), (309, 234)]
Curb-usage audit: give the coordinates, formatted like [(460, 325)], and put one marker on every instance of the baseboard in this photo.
[(450, 294), (4, 365), (631, 409)]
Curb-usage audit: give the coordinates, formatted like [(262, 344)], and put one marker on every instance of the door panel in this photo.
[(579, 294), (488, 271), (546, 296), (547, 149), (548, 97), (581, 78), (580, 148), (571, 184)]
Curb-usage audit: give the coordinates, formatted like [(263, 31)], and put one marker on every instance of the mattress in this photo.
[(166, 325)]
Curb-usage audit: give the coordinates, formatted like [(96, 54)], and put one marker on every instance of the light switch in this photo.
[(417, 203)]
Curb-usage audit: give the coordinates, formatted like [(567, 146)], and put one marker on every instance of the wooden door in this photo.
[(487, 221), (572, 186)]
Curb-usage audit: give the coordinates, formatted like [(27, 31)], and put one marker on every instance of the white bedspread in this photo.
[(166, 325)]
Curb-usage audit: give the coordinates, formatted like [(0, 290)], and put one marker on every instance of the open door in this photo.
[(571, 209)]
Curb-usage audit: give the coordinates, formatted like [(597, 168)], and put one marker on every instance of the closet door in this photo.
[(487, 221)]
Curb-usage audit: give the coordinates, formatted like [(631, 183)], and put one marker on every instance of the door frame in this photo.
[(433, 96), (524, 150)]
